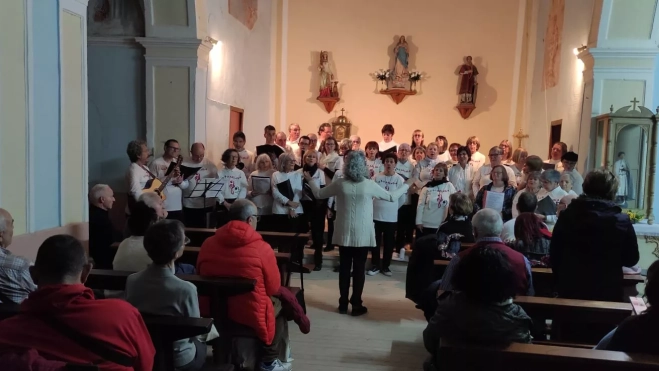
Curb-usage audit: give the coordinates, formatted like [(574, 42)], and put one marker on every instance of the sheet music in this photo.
[(261, 185), (205, 187), (493, 200)]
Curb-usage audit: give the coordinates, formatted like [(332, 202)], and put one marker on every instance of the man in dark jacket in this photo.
[(591, 243), (101, 231)]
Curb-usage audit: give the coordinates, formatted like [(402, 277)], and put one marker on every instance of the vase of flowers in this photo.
[(382, 76), (415, 76), (634, 216)]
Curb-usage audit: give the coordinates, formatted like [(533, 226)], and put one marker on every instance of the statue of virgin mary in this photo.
[(400, 77)]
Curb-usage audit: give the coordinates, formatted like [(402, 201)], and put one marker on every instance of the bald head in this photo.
[(197, 152), (6, 228), (101, 196), (280, 139)]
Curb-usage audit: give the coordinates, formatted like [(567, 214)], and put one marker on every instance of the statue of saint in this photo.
[(326, 76), (468, 73), (402, 53), (625, 182)]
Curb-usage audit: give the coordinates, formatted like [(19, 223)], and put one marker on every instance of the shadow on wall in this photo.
[(27, 245), (486, 95)]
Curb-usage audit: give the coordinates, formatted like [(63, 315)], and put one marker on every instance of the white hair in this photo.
[(487, 223), (150, 199), (97, 192), (570, 176)]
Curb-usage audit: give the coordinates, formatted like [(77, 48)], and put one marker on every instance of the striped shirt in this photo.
[(15, 281)]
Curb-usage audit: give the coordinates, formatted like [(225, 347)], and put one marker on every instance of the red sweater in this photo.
[(237, 250), (115, 322)]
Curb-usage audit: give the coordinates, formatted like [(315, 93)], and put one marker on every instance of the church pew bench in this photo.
[(218, 289), (540, 358), (543, 281), (164, 331)]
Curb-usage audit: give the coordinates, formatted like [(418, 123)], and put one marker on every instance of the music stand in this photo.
[(203, 189)]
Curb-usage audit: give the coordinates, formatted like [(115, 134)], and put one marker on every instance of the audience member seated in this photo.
[(564, 203), (152, 200), (532, 238), (15, 280), (526, 202), (481, 310), (487, 229), (156, 290), (638, 334), (63, 321), (591, 241), (421, 270), (101, 231), (237, 250), (131, 255)]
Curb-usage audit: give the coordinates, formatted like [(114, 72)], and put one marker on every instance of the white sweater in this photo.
[(461, 178), (208, 170), (482, 177), (174, 193), (247, 158), (477, 160), (433, 205), (279, 206), (263, 202), (406, 170), (136, 179), (354, 209)]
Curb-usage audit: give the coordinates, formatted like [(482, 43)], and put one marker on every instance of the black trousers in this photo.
[(384, 236), (176, 215), (330, 229), (315, 212), (405, 225), (196, 218), (284, 223), (428, 231), (352, 258)]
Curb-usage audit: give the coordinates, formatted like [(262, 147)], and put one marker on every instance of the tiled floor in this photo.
[(387, 338)]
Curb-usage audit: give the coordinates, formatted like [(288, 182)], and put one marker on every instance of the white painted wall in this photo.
[(565, 100), (238, 74)]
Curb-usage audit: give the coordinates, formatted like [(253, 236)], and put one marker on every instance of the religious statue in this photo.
[(400, 77), (625, 181), (468, 85), (326, 76)]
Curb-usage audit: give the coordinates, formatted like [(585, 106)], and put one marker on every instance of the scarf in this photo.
[(311, 169), (434, 183)]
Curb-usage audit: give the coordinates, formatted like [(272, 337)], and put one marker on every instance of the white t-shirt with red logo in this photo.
[(433, 205), (231, 184), (386, 211)]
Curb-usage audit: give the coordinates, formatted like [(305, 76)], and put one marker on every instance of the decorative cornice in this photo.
[(115, 41), (621, 53), (158, 42)]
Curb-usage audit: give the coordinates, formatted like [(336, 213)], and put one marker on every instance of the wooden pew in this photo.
[(218, 289), (543, 281), (164, 331), (540, 358)]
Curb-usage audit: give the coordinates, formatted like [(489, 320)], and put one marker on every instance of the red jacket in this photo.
[(237, 250), (113, 321)]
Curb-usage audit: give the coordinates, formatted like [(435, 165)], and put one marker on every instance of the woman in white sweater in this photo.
[(314, 210), (231, 184), (460, 174), (287, 205), (432, 207), (354, 231), (259, 194)]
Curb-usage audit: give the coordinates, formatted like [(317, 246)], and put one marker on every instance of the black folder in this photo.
[(393, 149), (286, 189), (546, 166), (546, 206), (270, 149), (187, 171)]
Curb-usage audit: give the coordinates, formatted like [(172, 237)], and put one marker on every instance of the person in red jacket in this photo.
[(62, 320), (237, 250)]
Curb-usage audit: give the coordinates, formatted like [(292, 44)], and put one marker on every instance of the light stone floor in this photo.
[(387, 338)]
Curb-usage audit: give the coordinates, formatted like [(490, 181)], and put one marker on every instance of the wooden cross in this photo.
[(634, 103), (520, 135), (342, 109)]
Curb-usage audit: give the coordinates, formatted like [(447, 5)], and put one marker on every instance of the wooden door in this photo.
[(235, 121), (555, 133)]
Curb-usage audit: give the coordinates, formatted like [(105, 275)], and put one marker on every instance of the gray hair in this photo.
[(97, 192), (5, 219), (354, 168), (487, 223), (150, 199), (551, 176), (134, 149), (242, 209), (286, 156), (570, 176)]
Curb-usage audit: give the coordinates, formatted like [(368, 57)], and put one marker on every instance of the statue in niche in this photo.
[(115, 18), (625, 181), (327, 82), (468, 85), (400, 77)]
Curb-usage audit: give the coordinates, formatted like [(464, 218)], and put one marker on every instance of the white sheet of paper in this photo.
[(493, 200), (261, 185)]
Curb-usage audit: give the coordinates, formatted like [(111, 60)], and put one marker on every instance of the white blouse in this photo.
[(263, 202), (461, 178), (136, 179), (477, 160), (482, 177), (279, 206), (174, 193)]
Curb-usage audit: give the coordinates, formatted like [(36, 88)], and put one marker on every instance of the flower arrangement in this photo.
[(634, 217), (382, 75), (415, 76)]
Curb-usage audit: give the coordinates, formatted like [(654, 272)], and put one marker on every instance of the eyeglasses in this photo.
[(493, 155), (176, 149)]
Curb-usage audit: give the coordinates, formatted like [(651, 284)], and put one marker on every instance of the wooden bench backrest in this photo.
[(533, 357), (199, 235)]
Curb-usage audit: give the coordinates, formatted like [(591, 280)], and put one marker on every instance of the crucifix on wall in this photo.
[(520, 136)]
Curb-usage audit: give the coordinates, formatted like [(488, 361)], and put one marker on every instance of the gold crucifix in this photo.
[(520, 135), (634, 103)]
